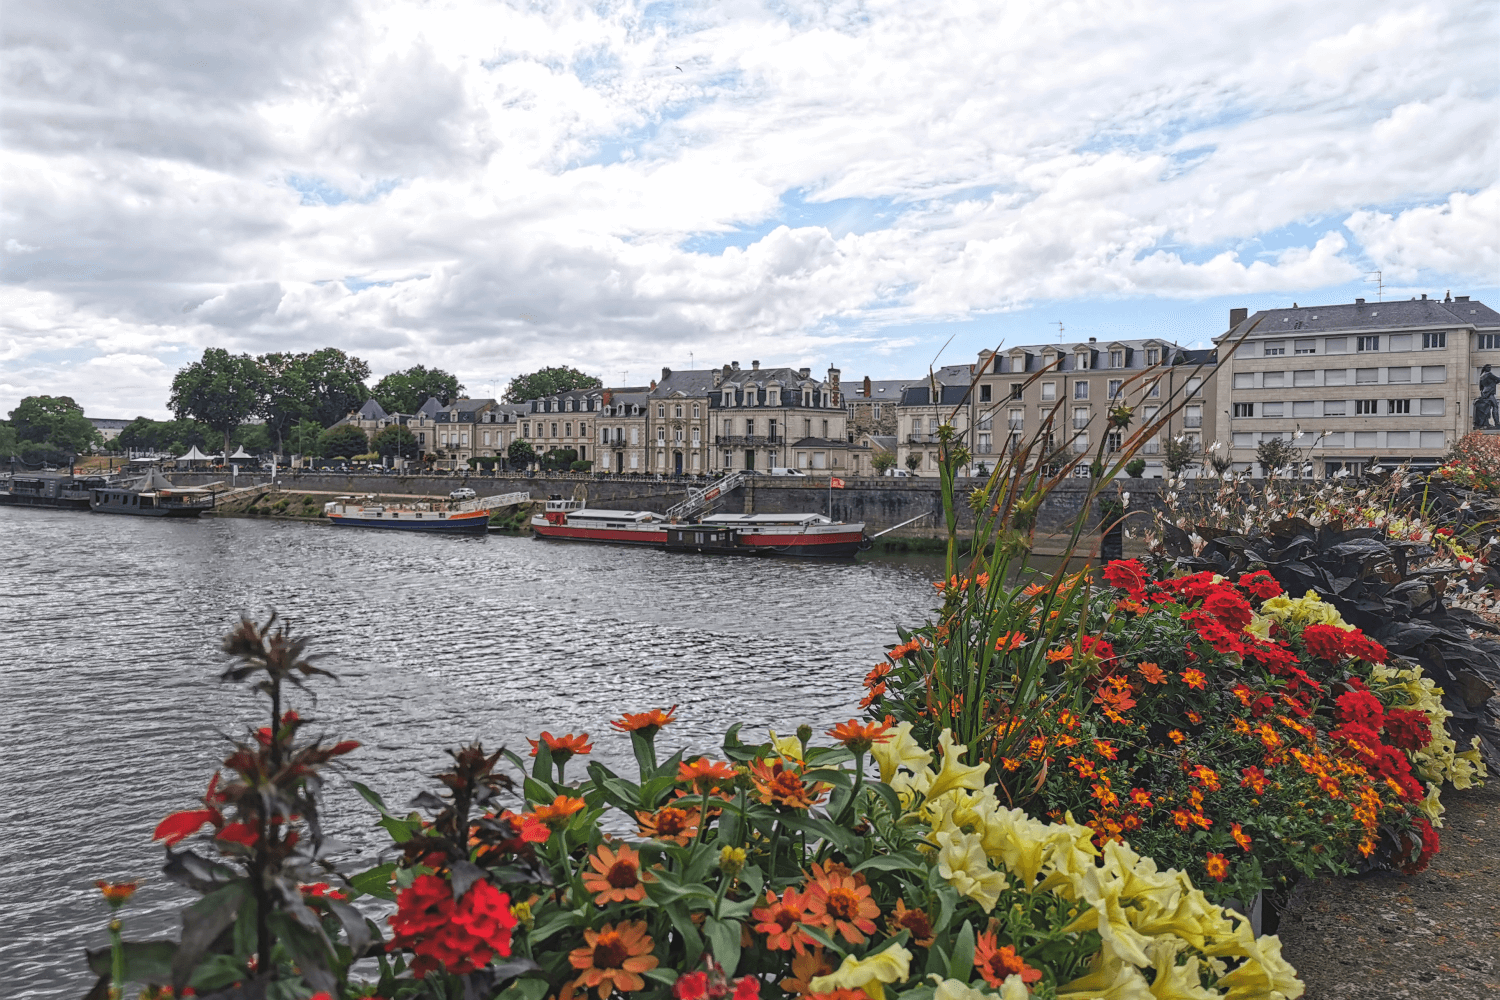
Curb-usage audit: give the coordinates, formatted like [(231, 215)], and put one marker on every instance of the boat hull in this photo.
[(612, 536), (54, 503), (455, 524), (840, 544), (174, 512)]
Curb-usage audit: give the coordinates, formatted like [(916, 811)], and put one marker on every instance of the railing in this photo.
[(921, 439), (704, 496), (748, 440), (1192, 421)]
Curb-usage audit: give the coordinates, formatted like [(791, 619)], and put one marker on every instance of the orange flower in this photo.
[(617, 876), (1217, 866), (914, 645), (1178, 736), (1152, 673), (778, 784), (614, 958), (857, 737), (116, 893), (839, 901), (1207, 777), (875, 692), (807, 967), (876, 672), (781, 920), (1057, 655), (1240, 836), (1140, 797), (669, 824), (646, 723), (917, 921), (1009, 641), (1194, 678), (704, 774), (562, 747), (1106, 749), (996, 963), (557, 813)]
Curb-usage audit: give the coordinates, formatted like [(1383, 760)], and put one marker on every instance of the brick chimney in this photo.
[(868, 388), (755, 366), (833, 383), (1238, 316), (653, 385), (666, 373), (718, 378)]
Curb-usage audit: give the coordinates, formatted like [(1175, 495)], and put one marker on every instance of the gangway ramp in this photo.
[(705, 496), (490, 503)]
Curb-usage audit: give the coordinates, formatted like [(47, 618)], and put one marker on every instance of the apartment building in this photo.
[(1078, 384), (1354, 384), (681, 430), (925, 407), (764, 418)]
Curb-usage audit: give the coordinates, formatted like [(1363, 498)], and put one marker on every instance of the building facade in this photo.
[(681, 429), (924, 408), (765, 418), (1354, 384), (872, 406)]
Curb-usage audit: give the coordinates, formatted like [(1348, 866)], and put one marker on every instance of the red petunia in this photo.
[(1129, 575), (1361, 708), (1325, 642), (1231, 610), (1408, 728), (1362, 647), (238, 833), (1261, 584), (691, 986)]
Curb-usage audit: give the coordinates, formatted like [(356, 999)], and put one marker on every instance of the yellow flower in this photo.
[(962, 861), (869, 974), (901, 750), (1108, 978), (951, 989), (1264, 974), (1260, 626), (788, 747), (954, 774), (1173, 981)]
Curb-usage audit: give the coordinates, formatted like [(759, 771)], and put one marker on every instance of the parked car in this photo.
[(462, 493), (788, 472), (898, 473)]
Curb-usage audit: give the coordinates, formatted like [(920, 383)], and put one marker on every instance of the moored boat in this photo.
[(434, 517), (802, 535), (151, 495), (57, 490)]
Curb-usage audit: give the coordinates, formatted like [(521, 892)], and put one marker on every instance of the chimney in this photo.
[(755, 366), (735, 365), (1448, 295), (1093, 340), (653, 385), (666, 373), (867, 387), (1424, 296), (803, 372), (718, 378), (1359, 302), (1460, 298), (833, 384), (1238, 316)]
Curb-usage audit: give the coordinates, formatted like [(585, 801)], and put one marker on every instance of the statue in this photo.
[(1486, 407)]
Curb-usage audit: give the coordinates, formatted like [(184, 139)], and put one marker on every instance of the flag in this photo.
[(836, 483)]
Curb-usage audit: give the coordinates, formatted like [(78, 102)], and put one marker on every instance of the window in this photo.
[(1192, 416), (661, 435), (1016, 420), (1080, 417), (750, 396), (1083, 361), (1194, 386), (1334, 407), (1365, 439), (1364, 407), (1400, 342), (984, 394), (1335, 376), (1271, 409), (728, 399), (1273, 380), (568, 429), (1306, 347), (1153, 355), (583, 429), (1434, 341), (1363, 375), (697, 438), (1275, 347), (1114, 441), (1431, 407), (1398, 375), (773, 397), (750, 426), (695, 411), (875, 411), (1303, 408), (554, 430), (1117, 359), (526, 430), (1336, 345), (1116, 386), (1244, 380), (1395, 406), (1367, 343), (1434, 373), (1398, 439), (1080, 390), (1244, 409), (1016, 388), (1305, 377), (1489, 341), (677, 410), (1049, 391), (1244, 439)]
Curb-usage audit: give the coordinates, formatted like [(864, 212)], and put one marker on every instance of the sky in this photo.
[(491, 187)]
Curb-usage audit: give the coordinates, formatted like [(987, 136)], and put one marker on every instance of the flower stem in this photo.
[(117, 961)]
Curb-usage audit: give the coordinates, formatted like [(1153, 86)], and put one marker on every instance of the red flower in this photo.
[(995, 963), (1362, 647), (748, 988), (646, 723), (181, 825), (1362, 709), (691, 986), (1232, 610), (1326, 642), (1254, 779), (1129, 575), (238, 833), (458, 938), (1261, 584), (1430, 844), (562, 747), (1408, 728), (704, 774)]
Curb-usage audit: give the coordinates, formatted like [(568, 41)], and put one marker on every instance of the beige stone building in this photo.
[(1354, 384), (765, 418), (681, 435), (923, 408), (604, 426), (451, 436), (872, 405)]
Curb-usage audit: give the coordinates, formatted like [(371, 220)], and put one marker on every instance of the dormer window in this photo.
[(806, 397), (1153, 355), (1117, 359), (728, 397), (749, 396), (826, 400), (1083, 360), (773, 397)]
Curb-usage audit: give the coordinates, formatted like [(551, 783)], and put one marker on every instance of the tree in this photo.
[(222, 390), (171, 436), (559, 458), (914, 461), (324, 385), (343, 440), (1180, 452), (8, 440), (405, 391), (51, 429), (883, 461), (254, 438), (520, 454), (546, 382), (395, 441), (1275, 454), (1135, 468), (303, 438)]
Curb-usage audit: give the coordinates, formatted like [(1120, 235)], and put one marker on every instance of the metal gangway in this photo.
[(234, 494), (704, 496), (490, 503)]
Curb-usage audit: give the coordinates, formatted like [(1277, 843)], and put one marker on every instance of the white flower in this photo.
[(1125, 498)]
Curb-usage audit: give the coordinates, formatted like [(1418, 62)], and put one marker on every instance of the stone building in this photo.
[(680, 428), (764, 418), (450, 436), (923, 408), (1076, 385), (1353, 384), (872, 406)]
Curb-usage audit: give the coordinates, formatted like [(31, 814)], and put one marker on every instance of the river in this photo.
[(109, 628)]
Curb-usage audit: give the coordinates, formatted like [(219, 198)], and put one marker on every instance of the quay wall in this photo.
[(879, 503)]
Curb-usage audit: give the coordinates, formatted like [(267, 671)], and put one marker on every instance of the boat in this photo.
[(58, 490), (435, 516), (801, 535), (151, 495)]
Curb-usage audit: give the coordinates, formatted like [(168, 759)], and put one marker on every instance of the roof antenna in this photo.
[(1379, 286), (1059, 331)]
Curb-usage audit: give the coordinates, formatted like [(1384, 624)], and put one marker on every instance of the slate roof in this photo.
[(886, 442), (1097, 349), (762, 377), (371, 411), (819, 443), (948, 395), (430, 408), (694, 382), (880, 390), (1358, 316)]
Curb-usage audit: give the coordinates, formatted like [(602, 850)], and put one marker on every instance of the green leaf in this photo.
[(525, 989), (218, 970), (900, 861), (653, 790), (374, 882), (824, 940), (668, 768), (645, 754), (145, 961), (553, 923), (754, 880), (202, 923), (371, 796), (666, 976), (724, 938), (692, 941), (538, 792), (961, 965), (401, 830), (541, 767)]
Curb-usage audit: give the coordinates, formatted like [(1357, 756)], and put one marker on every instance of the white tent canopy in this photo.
[(193, 455), (240, 453)]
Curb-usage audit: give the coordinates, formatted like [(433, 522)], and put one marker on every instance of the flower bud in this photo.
[(732, 861)]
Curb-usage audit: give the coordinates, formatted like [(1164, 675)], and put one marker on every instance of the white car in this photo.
[(462, 493), (788, 472)]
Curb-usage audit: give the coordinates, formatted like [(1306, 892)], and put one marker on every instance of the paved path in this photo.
[(1433, 936)]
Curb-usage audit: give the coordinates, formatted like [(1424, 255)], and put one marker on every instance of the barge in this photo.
[(433, 517), (808, 536), (151, 495), (57, 490)]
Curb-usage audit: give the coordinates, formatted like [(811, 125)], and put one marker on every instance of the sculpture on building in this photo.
[(1486, 407)]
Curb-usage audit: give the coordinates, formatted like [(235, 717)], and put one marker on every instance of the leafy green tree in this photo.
[(303, 438), (52, 429), (546, 382), (559, 458), (222, 390), (914, 461), (883, 462), (254, 438), (395, 441), (323, 385), (345, 439), (172, 436), (8, 440), (1179, 453), (1275, 455), (520, 454), (405, 391)]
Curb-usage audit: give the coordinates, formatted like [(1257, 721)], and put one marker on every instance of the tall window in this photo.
[(695, 411), (1016, 389), (1080, 417), (1398, 406), (1083, 360), (1115, 439), (1244, 409), (1153, 355), (1432, 341), (1116, 386), (1117, 359), (1366, 406), (1193, 385), (1080, 390), (984, 394), (750, 426), (1049, 391), (677, 410)]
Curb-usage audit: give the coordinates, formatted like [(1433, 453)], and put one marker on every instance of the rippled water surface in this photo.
[(108, 675)]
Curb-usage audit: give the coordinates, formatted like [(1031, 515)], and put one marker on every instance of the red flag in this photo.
[(837, 483)]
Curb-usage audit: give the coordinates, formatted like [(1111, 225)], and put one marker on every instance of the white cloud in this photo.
[(491, 187)]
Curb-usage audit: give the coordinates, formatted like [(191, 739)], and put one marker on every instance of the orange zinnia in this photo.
[(1152, 673), (614, 958), (857, 737), (1217, 866), (670, 824), (617, 876), (704, 774), (778, 784), (995, 963), (1009, 641), (876, 672), (1194, 678), (647, 723), (557, 813), (781, 920), (116, 893), (805, 968), (1058, 655), (840, 902), (917, 921), (562, 747)]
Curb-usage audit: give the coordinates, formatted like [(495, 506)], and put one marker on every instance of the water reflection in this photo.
[(108, 627)]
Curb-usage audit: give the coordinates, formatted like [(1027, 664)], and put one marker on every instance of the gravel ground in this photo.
[(1433, 936)]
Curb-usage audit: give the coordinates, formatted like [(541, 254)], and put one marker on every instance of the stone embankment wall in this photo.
[(879, 503)]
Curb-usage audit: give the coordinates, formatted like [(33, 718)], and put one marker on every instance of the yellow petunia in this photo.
[(900, 750), (869, 974), (962, 862)]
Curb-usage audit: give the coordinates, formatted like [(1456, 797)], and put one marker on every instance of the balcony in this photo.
[(748, 440), (921, 439), (1192, 421)]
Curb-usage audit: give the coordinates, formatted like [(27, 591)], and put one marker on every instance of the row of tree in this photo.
[(47, 429)]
